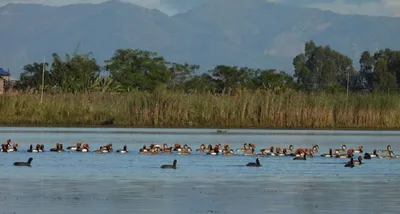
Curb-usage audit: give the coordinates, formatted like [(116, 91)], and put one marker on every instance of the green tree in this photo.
[(180, 74), (232, 76), (31, 77), (76, 73), (138, 69), (270, 79), (321, 68)]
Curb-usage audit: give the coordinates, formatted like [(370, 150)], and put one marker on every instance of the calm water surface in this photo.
[(132, 183)]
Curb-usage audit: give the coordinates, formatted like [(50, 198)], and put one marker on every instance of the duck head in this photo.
[(271, 149)]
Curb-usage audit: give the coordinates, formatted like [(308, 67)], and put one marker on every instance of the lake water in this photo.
[(87, 183)]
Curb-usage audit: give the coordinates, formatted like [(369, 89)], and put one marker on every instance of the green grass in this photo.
[(246, 109)]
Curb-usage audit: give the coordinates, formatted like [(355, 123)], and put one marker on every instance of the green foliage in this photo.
[(321, 68), (138, 69)]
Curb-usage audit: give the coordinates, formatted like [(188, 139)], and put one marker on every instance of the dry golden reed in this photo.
[(174, 109)]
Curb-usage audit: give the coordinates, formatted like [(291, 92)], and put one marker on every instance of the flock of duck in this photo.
[(247, 150)]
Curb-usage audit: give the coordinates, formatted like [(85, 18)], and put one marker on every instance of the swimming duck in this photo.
[(283, 153), (105, 149), (7, 147), (367, 156), (343, 149), (61, 148), (348, 155), (256, 164), (214, 151), (315, 148), (173, 166), (41, 148), (242, 149), (301, 158), (290, 149), (358, 161), (177, 147), (329, 155), (58, 148), (277, 151), (74, 148), (123, 150), (350, 163), (202, 148), (187, 148), (359, 150), (142, 150), (166, 150), (266, 151), (84, 149), (24, 163), (31, 148), (99, 151), (341, 155), (300, 151), (250, 153), (374, 154), (263, 153), (227, 150), (391, 155), (14, 148), (387, 150)]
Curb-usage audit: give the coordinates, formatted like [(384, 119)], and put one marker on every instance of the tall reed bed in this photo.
[(172, 109)]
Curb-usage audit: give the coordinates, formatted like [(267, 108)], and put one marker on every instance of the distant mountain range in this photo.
[(250, 33)]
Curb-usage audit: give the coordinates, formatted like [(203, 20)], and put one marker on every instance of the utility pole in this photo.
[(348, 73), (44, 64)]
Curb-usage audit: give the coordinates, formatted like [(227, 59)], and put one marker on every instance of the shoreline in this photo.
[(188, 128)]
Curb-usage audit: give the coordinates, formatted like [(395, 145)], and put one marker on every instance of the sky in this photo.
[(364, 7)]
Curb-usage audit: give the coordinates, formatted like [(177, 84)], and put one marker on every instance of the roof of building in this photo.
[(3, 72)]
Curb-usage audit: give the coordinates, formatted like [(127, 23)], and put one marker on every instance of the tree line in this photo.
[(319, 68)]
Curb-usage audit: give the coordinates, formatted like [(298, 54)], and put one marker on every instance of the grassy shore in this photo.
[(179, 110)]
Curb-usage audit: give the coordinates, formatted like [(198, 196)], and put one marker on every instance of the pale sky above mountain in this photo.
[(364, 7)]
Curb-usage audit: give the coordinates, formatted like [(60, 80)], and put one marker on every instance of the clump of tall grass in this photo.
[(246, 109)]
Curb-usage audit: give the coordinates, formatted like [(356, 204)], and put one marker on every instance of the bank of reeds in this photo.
[(171, 109)]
